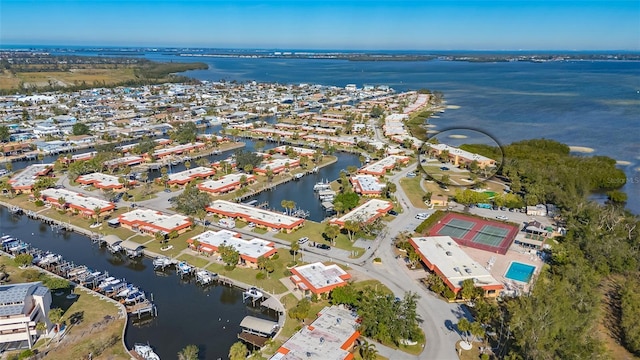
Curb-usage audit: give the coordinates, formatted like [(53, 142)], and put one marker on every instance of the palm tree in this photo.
[(55, 316), (41, 327), (367, 350), (187, 164), (238, 351), (96, 211), (201, 214), (295, 247), (464, 326)]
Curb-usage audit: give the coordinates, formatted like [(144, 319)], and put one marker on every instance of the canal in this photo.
[(187, 313)]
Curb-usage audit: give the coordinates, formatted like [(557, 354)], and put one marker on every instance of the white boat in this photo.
[(161, 262), (204, 277), (166, 248), (321, 186), (298, 176), (184, 268), (146, 352), (253, 292), (126, 291), (95, 225), (134, 296), (106, 282)]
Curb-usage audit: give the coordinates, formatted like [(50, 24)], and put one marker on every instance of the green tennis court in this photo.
[(490, 235), (456, 228)]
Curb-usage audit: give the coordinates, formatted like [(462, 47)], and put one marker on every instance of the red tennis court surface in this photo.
[(475, 232)]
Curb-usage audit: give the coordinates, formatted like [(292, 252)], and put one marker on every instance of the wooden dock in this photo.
[(142, 308)]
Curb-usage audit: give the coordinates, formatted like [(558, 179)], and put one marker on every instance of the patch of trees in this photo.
[(146, 145), (192, 200), (185, 133), (384, 318), (348, 200), (630, 315), (430, 221), (244, 158), (80, 129), (489, 151), (5, 134)]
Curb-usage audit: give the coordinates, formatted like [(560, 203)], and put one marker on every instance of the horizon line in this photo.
[(4, 46)]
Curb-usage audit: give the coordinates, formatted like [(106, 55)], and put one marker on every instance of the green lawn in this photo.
[(179, 243), (271, 283), (313, 231), (411, 187), (197, 261)]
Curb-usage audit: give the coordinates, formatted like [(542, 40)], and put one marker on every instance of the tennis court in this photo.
[(476, 232), (490, 235)]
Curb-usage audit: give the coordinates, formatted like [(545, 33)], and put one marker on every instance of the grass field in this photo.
[(314, 230), (90, 332), (411, 187)]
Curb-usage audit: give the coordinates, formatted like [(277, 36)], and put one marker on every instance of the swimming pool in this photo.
[(520, 272)]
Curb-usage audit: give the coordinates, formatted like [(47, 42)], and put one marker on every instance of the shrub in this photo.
[(377, 260), (39, 203), (275, 257), (260, 275), (437, 215)]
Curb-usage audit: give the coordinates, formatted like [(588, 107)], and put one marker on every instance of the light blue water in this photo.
[(520, 272)]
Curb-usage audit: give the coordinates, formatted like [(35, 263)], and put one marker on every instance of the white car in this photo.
[(422, 216), (502, 217), (303, 240)]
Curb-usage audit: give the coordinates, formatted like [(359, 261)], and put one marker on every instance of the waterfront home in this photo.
[(79, 157), (186, 176), (226, 183), (123, 161), (24, 181), (459, 157), (318, 278), (23, 306), (262, 218), (284, 149), (277, 165), (104, 181), (250, 250), (381, 167), (444, 257), (151, 221), (332, 335), (178, 149), (367, 185), (365, 213), (85, 205)]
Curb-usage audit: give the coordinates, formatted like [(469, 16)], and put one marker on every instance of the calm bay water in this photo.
[(187, 313)]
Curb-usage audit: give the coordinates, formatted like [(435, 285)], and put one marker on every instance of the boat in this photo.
[(126, 291), (108, 281), (184, 268), (161, 262), (321, 186), (298, 176), (252, 292), (134, 296), (204, 277), (95, 225), (145, 351)]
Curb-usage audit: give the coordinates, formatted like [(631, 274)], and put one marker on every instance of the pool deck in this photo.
[(502, 262)]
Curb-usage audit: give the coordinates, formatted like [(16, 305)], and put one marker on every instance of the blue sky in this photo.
[(419, 25)]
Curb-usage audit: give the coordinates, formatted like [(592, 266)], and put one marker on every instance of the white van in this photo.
[(227, 223)]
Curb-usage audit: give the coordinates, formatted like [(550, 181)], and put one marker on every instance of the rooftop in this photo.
[(319, 275), (367, 183), (250, 213), (155, 220), (253, 248), (29, 176), (100, 179), (226, 181), (188, 175), (381, 166), (461, 153), (12, 296), (365, 212), (77, 200), (327, 338), (452, 262)]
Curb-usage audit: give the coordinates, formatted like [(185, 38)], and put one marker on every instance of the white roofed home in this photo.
[(151, 221), (22, 307), (365, 213), (367, 185), (262, 218), (226, 183), (85, 205), (319, 278), (250, 250)]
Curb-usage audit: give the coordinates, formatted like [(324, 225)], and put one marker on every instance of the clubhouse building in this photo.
[(225, 184), (444, 257), (367, 185), (151, 221), (381, 167), (459, 157), (318, 278), (103, 181), (186, 176)]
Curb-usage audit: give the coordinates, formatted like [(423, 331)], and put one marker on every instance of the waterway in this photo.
[(208, 317)]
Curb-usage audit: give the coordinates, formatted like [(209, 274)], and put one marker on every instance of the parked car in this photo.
[(444, 168), (303, 240), (411, 174), (392, 212), (422, 216), (502, 217), (167, 190), (323, 246)]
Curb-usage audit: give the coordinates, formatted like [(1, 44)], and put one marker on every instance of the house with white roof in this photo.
[(186, 176), (85, 205), (365, 213), (151, 221), (226, 183), (367, 185), (250, 250), (319, 278), (270, 220), (380, 167)]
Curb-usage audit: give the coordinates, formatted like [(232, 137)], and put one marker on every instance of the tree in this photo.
[(201, 214), (617, 197), (246, 157), (5, 134), (338, 206), (238, 351), (190, 352), (351, 227), (187, 164), (259, 145), (80, 129), (301, 310), (331, 232), (23, 259), (145, 146), (295, 247), (185, 133), (8, 166), (391, 188), (55, 283), (248, 168), (55, 316), (191, 200), (464, 326), (348, 199), (376, 112), (469, 290), (347, 295), (229, 255), (367, 350), (476, 330), (41, 327)]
